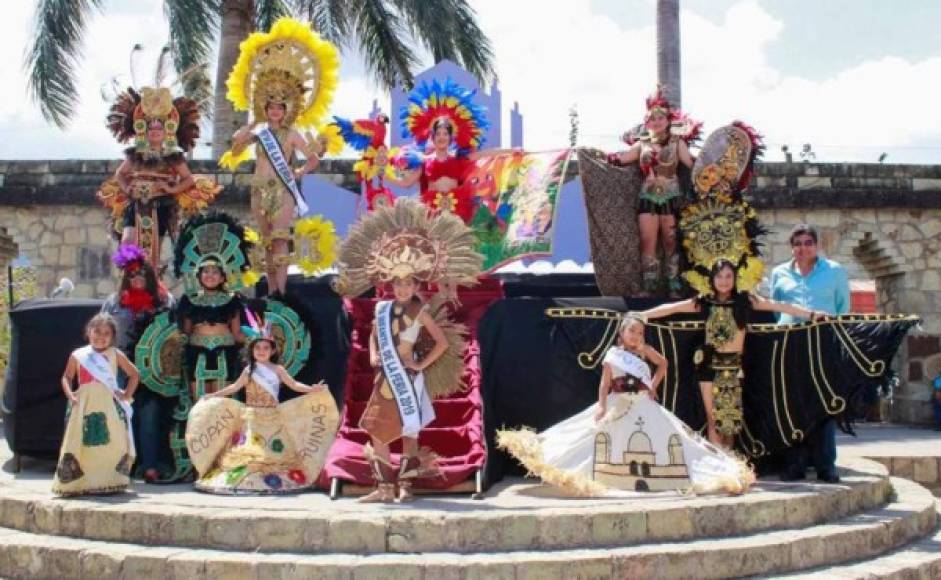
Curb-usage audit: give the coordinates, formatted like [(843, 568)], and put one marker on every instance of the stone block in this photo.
[(100, 564), (82, 291), (187, 529), (49, 255), (490, 571), (16, 514), (188, 564), (516, 532), (28, 560), (646, 565), (105, 524), (356, 535), (813, 182), (926, 184), (669, 524), (385, 571), (46, 517), (72, 520), (926, 470), (421, 534), (762, 182), (65, 221), (68, 256), (903, 467), (619, 529), (284, 533), (931, 281), (74, 235), (62, 561), (560, 532), (338, 567), (231, 567), (911, 250)]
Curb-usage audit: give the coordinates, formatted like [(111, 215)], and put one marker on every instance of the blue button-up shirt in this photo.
[(825, 288)]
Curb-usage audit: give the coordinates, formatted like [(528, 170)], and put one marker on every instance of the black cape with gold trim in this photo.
[(795, 376)]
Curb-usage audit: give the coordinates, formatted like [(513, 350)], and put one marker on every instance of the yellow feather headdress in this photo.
[(292, 65)]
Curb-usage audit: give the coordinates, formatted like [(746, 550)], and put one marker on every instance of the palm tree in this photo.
[(384, 32), (668, 50)]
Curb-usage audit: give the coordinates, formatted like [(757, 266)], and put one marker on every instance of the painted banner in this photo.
[(516, 194)]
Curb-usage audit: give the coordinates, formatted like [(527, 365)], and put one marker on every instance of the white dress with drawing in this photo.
[(637, 446)]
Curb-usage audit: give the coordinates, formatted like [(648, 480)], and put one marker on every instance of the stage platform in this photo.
[(870, 525)]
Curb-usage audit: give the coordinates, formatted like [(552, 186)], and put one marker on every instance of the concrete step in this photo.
[(910, 516), (507, 522), (917, 560)]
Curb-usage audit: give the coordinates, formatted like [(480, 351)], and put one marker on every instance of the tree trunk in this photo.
[(237, 18), (668, 50)]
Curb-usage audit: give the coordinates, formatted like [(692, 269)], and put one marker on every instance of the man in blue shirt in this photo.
[(817, 284)]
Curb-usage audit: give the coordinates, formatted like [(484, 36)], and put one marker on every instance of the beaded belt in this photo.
[(212, 341)]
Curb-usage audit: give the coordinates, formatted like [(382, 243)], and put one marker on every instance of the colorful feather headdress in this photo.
[(450, 101), (290, 65), (128, 257), (401, 241), (258, 328), (681, 124)]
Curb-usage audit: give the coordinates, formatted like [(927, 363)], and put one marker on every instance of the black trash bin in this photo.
[(44, 333)]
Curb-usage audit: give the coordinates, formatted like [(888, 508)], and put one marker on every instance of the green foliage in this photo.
[(25, 286), (384, 32)]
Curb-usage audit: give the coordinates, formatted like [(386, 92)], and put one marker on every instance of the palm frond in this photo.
[(193, 24), (53, 56), (432, 23), (449, 30), (473, 45), (267, 11), (381, 40), (198, 86), (332, 19)]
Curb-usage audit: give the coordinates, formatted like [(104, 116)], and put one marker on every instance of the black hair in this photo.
[(248, 352), (803, 230), (739, 300), (199, 276), (150, 275), (102, 319), (442, 122)]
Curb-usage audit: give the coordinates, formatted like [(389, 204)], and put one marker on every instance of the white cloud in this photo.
[(108, 41), (550, 56), (550, 59)]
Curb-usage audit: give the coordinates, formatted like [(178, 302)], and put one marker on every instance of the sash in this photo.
[(413, 409), (629, 363), (267, 379), (99, 366), (275, 155)]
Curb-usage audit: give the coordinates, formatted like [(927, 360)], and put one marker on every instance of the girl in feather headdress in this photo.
[(415, 350), (286, 78), (140, 297), (154, 180), (446, 117), (262, 446), (660, 145)]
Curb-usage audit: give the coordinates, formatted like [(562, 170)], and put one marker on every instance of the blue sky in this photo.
[(854, 78)]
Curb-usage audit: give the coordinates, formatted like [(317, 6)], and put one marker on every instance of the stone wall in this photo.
[(883, 222)]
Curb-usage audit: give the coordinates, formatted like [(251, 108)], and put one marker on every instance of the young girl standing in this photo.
[(98, 447)]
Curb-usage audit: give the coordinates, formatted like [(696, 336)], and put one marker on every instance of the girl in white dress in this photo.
[(627, 441)]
